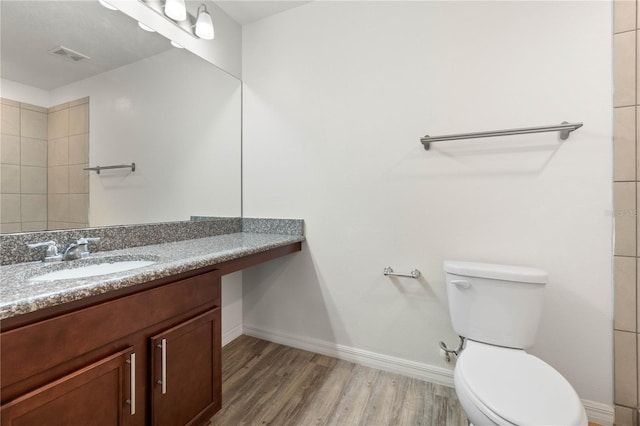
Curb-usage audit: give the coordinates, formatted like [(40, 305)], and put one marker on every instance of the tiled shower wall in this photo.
[(42, 156), (626, 173)]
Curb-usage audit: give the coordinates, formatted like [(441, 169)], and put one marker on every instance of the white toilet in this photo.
[(497, 309)]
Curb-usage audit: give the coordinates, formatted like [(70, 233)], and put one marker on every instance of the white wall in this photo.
[(23, 93), (224, 50), (336, 97), (231, 307)]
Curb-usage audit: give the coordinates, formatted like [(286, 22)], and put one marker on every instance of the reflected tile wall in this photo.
[(23, 167), (42, 155), (626, 191), (68, 197)]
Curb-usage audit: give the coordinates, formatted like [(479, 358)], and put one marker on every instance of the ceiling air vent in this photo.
[(68, 54)]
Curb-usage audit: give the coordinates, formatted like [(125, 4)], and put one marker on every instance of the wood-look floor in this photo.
[(266, 383)]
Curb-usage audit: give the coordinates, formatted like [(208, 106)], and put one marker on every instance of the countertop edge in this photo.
[(108, 283)]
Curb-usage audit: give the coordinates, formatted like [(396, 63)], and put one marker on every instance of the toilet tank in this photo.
[(496, 304)]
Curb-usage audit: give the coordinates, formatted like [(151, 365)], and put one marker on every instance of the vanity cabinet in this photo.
[(185, 378), (91, 393), (149, 357)]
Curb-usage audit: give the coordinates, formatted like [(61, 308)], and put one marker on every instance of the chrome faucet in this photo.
[(78, 250), (51, 254)]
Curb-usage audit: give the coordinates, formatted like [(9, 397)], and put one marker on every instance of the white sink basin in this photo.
[(93, 270)]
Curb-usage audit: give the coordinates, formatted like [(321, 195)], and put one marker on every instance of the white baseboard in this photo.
[(597, 412), (230, 335), (438, 375)]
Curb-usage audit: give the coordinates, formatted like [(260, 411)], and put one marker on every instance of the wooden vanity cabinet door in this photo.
[(191, 370), (97, 394)]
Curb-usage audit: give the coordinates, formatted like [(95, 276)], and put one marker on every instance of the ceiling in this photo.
[(40, 26), (115, 40), (245, 12)]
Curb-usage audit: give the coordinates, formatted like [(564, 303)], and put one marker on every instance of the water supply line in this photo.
[(448, 352)]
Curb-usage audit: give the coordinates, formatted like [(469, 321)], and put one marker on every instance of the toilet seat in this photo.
[(511, 387)]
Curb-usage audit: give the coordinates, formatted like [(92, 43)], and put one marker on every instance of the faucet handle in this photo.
[(51, 254), (42, 244), (84, 240)]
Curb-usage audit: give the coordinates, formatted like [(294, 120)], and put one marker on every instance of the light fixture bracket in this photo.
[(187, 25)]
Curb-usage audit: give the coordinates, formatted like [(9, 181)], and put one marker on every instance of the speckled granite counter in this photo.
[(19, 296)]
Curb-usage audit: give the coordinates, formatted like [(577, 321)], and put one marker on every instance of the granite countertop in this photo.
[(19, 296)]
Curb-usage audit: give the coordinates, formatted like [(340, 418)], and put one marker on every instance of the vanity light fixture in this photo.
[(107, 5), (176, 10), (204, 24), (199, 26)]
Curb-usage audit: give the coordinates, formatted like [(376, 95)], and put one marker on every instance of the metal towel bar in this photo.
[(565, 128), (389, 271), (97, 169)]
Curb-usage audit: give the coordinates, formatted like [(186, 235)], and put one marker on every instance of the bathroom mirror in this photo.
[(84, 86)]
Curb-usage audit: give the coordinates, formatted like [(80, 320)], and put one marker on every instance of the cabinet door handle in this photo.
[(163, 362), (132, 402)]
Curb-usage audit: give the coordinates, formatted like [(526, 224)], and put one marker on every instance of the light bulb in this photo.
[(204, 24), (176, 10), (107, 5), (146, 27)]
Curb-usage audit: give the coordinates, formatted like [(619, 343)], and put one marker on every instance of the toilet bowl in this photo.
[(503, 386), (496, 308)]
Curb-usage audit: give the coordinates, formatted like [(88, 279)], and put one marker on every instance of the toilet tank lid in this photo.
[(497, 272)]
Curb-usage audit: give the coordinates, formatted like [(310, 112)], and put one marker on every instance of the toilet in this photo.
[(497, 308)]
